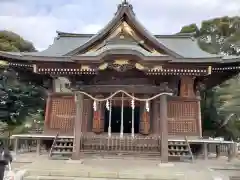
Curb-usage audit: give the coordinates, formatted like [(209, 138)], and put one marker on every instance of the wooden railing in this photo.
[(115, 144), (54, 142)]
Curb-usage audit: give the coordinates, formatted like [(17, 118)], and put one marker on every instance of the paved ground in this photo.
[(95, 167)]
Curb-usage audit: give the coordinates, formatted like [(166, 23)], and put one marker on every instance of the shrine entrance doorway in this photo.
[(116, 114)]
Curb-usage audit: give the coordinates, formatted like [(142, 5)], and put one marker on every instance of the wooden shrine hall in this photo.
[(122, 83)]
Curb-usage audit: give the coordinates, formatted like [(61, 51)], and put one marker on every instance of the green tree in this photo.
[(218, 35), (10, 41), (220, 105), (18, 99)]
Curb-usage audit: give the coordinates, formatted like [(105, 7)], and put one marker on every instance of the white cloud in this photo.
[(38, 21)]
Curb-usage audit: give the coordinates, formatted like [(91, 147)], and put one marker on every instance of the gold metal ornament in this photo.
[(157, 68), (139, 66), (121, 62), (209, 69), (103, 66), (3, 63), (85, 68)]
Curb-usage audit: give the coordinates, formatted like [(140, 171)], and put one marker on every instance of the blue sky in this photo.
[(38, 20)]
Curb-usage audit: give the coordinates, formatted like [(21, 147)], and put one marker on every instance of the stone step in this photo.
[(53, 178), (71, 178), (93, 174)]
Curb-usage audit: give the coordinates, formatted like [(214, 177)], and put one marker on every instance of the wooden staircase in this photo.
[(62, 148), (180, 149)]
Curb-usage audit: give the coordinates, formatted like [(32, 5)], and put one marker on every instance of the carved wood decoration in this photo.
[(182, 117), (62, 114), (187, 86), (121, 65), (144, 127)]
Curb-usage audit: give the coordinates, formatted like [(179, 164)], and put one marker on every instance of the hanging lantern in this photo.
[(107, 105), (95, 105), (147, 106), (132, 104)]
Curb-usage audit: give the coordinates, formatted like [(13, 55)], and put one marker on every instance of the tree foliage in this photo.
[(10, 41), (18, 99), (217, 36), (220, 105)]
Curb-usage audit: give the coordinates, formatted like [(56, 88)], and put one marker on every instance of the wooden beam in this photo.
[(138, 89)]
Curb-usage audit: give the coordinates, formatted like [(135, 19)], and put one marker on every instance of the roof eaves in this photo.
[(29, 57), (231, 59), (198, 60)]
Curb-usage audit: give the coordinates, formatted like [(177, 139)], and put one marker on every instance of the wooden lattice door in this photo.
[(144, 126), (98, 118), (86, 117)]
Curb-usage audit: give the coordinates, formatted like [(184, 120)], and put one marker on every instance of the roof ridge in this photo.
[(67, 34)]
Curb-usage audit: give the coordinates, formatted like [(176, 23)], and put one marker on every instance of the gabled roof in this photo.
[(124, 13), (185, 45), (68, 47)]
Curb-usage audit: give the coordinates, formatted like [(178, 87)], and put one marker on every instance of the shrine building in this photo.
[(123, 82)]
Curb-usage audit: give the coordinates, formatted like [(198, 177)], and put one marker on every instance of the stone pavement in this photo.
[(96, 167)]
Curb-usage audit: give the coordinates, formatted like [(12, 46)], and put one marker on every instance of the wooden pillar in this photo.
[(48, 109), (164, 128), (78, 127), (205, 150), (232, 151), (38, 151), (199, 116)]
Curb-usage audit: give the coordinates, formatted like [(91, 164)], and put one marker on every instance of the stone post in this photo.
[(78, 127), (164, 128)]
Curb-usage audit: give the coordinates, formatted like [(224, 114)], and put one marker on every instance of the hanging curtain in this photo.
[(144, 120), (98, 117)]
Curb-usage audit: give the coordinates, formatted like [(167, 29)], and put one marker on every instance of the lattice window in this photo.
[(186, 126), (182, 117), (179, 110), (63, 113)]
